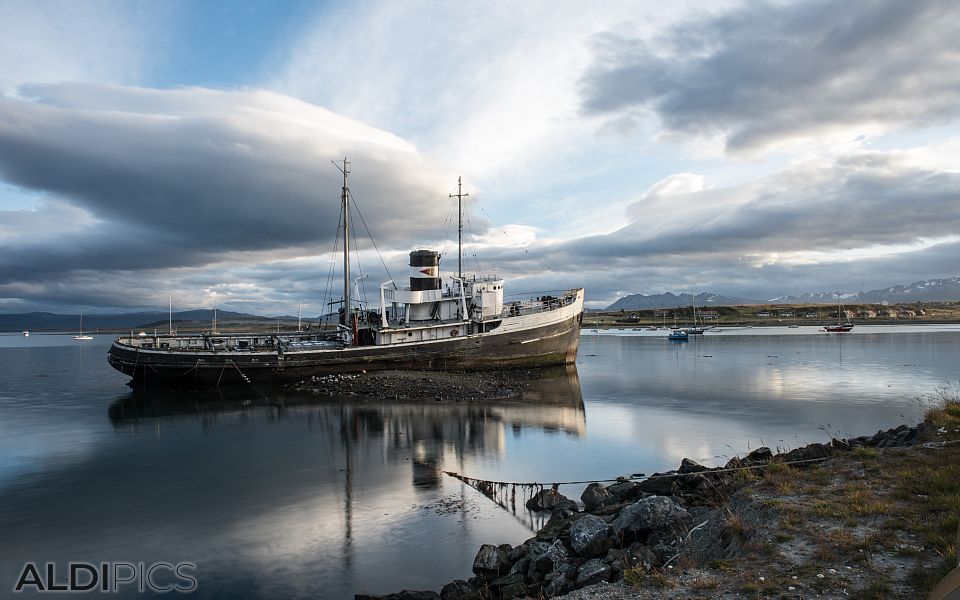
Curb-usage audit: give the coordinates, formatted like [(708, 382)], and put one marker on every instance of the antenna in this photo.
[(459, 196)]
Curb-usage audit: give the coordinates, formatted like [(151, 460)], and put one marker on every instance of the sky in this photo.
[(184, 150)]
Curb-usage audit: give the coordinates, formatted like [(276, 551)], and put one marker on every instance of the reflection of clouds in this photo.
[(727, 394), (34, 449)]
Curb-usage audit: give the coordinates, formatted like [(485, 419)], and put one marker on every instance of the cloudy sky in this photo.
[(155, 149)]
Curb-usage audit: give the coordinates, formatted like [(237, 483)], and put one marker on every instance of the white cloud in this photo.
[(61, 40)]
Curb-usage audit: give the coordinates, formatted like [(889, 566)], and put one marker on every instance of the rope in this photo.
[(468, 480)]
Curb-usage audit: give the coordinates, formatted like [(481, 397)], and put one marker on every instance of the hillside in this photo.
[(45, 321)]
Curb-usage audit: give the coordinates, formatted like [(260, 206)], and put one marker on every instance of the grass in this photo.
[(640, 577), (890, 514)]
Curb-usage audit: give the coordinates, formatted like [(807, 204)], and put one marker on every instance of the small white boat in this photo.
[(82, 337), (26, 333)]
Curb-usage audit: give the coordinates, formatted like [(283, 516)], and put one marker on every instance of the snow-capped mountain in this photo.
[(671, 300), (931, 290)]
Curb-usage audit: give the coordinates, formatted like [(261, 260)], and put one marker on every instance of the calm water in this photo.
[(286, 496)]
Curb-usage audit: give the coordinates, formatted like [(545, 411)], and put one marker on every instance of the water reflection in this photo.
[(287, 496)]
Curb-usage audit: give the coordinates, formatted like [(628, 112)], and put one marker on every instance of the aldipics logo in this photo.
[(112, 577)]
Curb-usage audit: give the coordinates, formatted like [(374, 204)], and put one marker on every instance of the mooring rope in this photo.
[(474, 482)]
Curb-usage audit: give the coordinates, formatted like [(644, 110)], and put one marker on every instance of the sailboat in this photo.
[(82, 337), (696, 329), (841, 326)]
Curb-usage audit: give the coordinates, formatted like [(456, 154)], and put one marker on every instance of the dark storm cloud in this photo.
[(170, 178), (764, 71)]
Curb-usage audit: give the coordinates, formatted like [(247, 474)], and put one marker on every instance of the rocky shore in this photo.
[(420, 386), (814, 521)]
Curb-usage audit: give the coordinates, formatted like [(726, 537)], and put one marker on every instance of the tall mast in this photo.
[(171, 315), (459, 196), (345, 200)]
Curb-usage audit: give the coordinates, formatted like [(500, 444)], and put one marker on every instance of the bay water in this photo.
[(282, 494)]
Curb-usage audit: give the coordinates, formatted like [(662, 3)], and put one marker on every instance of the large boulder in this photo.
[(625, 490), (558, 586), (591, 536), (659, 484), (760, 455), (457, 590), (549, 500), (690, 466), (404, 595), (648, 514), (546, 557), (594, 496), (491, 561), (593, 571), (558, 525)]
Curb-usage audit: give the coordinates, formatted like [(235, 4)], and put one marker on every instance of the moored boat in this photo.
[(840, 326), (436, 323)]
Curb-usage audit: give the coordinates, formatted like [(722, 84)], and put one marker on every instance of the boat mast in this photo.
[(345, 201), (459, 196), (171, 316)]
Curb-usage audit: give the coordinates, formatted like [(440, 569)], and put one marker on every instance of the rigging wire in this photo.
[(504, 231), (328, 292), (373, 241), (445, 228), (474, 251), (358, 281)]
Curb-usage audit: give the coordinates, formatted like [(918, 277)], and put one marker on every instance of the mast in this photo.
[(459, 196), (171, 316), (345, 201)]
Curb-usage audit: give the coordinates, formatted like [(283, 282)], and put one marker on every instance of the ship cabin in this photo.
[(430, 309)]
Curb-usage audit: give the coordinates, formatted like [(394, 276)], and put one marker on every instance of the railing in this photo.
[(530, 307)]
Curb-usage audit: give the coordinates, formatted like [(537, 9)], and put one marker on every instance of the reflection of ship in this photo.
[(553, 402), (465, 323)]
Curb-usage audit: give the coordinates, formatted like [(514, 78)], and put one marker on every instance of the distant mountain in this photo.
[(44, 321), (671, 300), (931, 290)]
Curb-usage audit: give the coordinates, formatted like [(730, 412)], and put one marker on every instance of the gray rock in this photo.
[(648, 514), (490, 561), (761, 454), (659, 484), (690, 466), (513, 591), (594, 496), (593, 571), (507, 580), (546, 500), (558, 525), (546, 557), (590, 536), (558, 586), (403, 595), (521, 566), (456, 590), (625, 490)]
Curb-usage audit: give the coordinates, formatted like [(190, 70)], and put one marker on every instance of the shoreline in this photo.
[(866, 517)]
